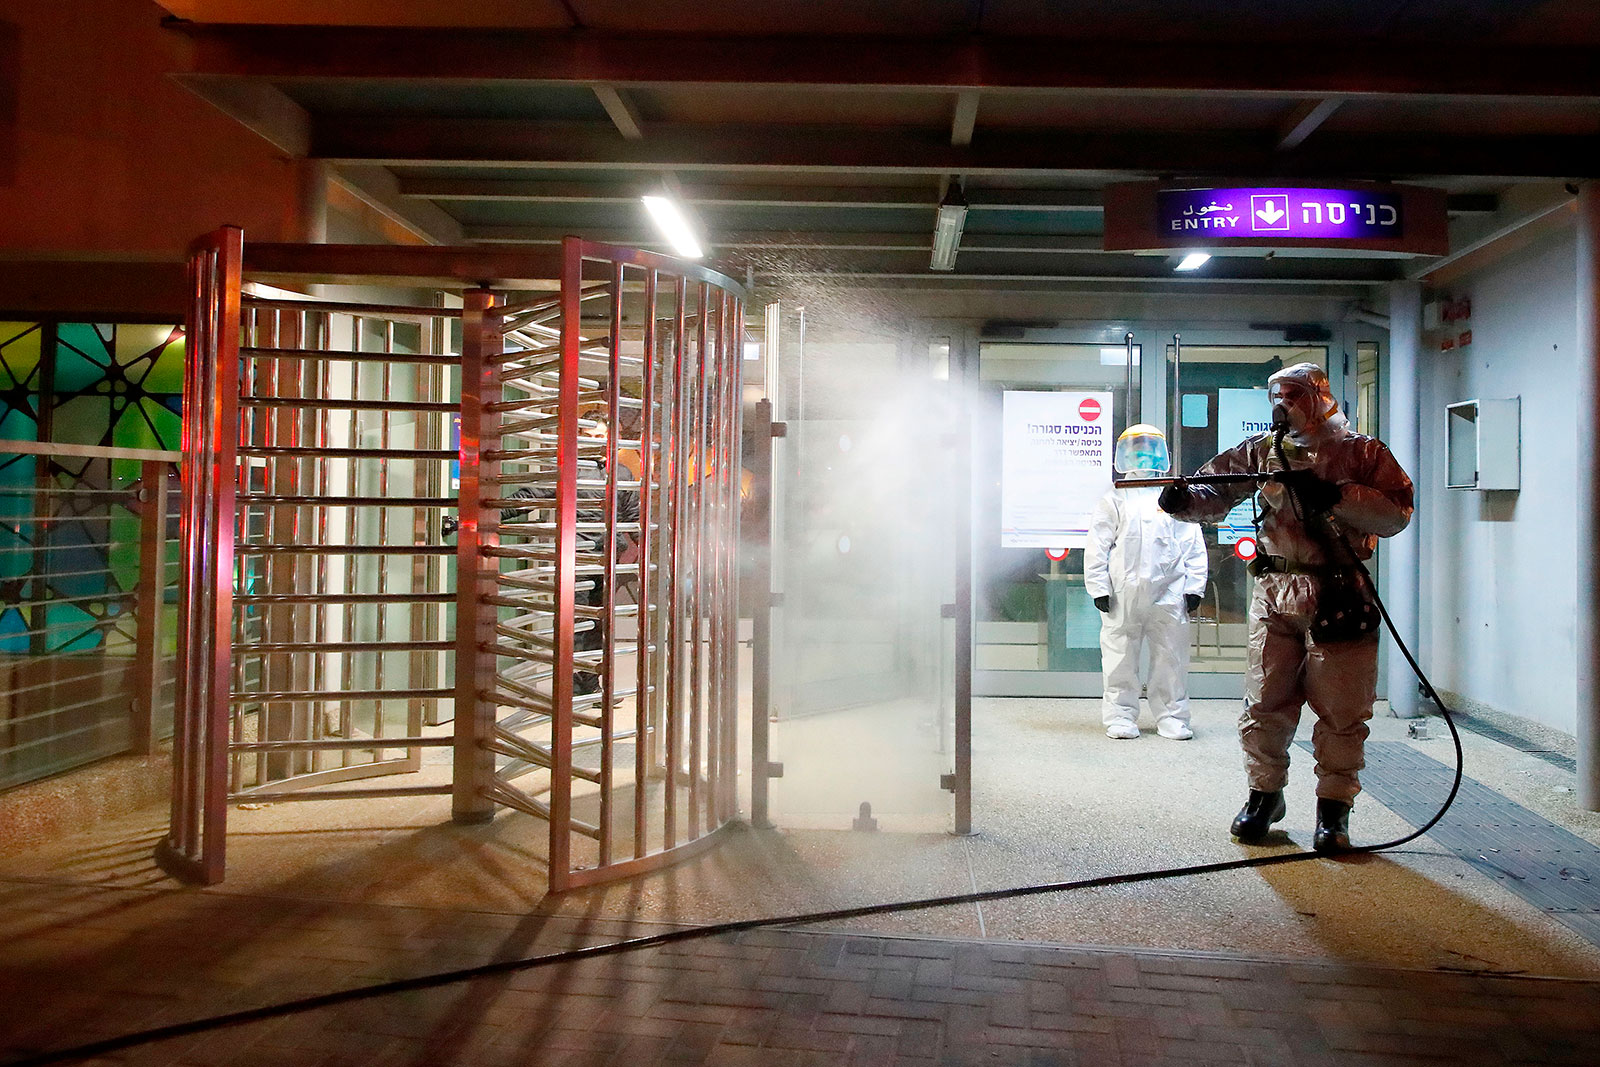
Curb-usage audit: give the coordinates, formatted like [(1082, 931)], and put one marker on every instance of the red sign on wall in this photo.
[(1089, 410)]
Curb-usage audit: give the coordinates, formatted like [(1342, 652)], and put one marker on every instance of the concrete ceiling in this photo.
[(817, 137)]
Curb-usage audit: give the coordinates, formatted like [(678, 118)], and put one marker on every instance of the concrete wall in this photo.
[(1498, 589), (100, 152)]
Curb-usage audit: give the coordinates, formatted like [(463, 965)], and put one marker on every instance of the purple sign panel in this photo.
[(1329, 214)]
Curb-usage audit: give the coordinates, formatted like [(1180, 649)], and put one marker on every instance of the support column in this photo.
[(1588, 496), (1402, 433)]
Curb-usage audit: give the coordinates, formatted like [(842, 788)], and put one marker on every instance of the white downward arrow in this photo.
[(1269, 214)]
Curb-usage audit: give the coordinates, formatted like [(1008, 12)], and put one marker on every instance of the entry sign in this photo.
[(1375, 216), (1055, 466), (1318, 214)]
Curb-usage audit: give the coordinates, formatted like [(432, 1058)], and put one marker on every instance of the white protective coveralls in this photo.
[(1286, 666), (1146, 561)]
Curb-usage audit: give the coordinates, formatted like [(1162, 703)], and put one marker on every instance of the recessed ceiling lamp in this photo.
[(1193, 261), (947, 228), (670, 220)]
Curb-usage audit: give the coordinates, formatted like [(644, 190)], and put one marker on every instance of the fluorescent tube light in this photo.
[(1193, 261), (947, 228), (673, 226)]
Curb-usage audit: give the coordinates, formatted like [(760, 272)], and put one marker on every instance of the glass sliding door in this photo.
[(1035, 629), (1219, 397)]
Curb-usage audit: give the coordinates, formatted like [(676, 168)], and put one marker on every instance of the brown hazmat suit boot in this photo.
[(1260, 811), (1333, 826)]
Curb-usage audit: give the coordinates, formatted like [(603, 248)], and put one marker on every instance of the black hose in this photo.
[(489, 970)]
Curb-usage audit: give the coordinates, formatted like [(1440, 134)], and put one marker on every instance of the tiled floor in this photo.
[(1407, 957), (103, 962)]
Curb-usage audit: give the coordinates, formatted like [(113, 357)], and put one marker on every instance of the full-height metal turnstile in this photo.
[(483, 549)]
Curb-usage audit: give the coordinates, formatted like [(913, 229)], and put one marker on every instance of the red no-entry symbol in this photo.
[(1089, 410)]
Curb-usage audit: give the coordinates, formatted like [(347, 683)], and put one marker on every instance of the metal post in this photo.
[(152, 586), (475, 577), (1129, 407), (1588, 501), (195, 846), (1402, 433), (1177, 407), (963, 551), (761, 622)]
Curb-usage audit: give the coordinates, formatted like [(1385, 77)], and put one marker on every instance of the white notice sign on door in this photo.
[(1055, 466), (1241, 414)]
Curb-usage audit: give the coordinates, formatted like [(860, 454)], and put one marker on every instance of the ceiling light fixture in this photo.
[(947, 228), (670, 220), (1193, 261)]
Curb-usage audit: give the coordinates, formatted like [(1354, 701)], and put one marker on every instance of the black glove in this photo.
[(1192, 600), (1174, 499), (1103, 603), (1316, 494)]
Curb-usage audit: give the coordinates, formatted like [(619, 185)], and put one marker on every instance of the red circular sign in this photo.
[(1089, 409), (1245, 548), (1056, 553)]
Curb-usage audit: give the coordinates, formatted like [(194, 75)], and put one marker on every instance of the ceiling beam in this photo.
[(965, 118), (746, 196), (376, 187), (259, 106), (1304, 120), (623, 114), (789, 239), (799, 197), (505, 143), (935, 64)]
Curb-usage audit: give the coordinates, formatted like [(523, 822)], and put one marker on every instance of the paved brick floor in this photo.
[(82, 963)]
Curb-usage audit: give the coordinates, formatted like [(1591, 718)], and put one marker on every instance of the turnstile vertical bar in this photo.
[(608, 556), (696, 574), (475, 665), (566, 563), (676, 448), (644, 661), (711, 504), (381, 611), (734, 411)]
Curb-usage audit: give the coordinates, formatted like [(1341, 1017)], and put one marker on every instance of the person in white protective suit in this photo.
[(1335, 492), (1146, 572)]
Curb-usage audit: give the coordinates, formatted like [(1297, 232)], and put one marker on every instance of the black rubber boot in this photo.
[(1333, 826), (1260, 811)]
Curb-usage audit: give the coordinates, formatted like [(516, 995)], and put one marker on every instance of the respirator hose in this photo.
[(1280, 426)]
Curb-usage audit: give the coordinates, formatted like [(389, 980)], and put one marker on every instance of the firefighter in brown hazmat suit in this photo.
[(1335, 473)]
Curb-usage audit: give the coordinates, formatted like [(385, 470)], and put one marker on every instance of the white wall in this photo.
[(1497, 586)]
